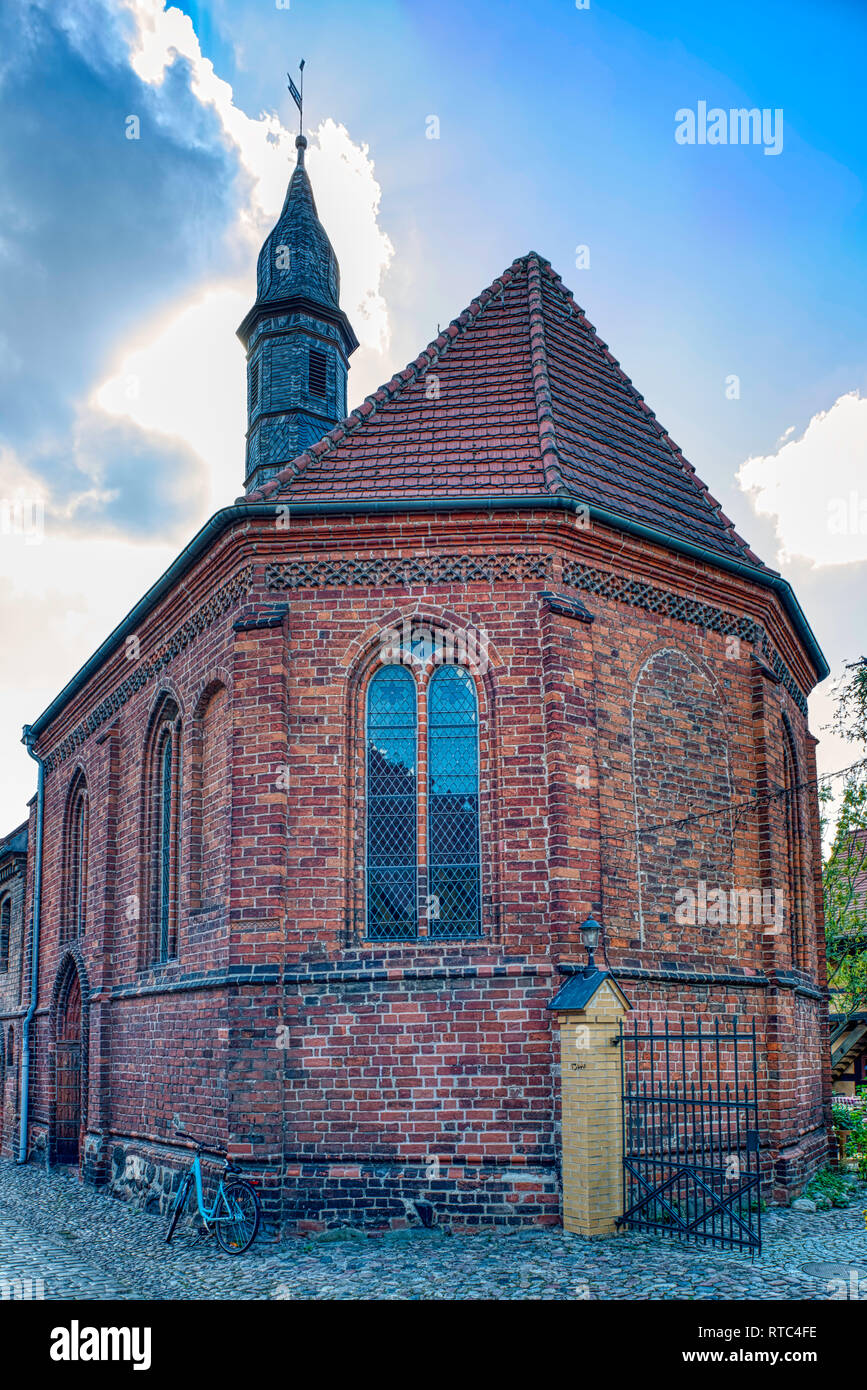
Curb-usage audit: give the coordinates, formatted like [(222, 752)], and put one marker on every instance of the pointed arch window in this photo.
[(78, 845), (5, 933), (77, 836), (446, 878), (164, 827)]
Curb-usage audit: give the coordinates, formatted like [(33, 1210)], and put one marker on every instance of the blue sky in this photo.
[(126, 264)]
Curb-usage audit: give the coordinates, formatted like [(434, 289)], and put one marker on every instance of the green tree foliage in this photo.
[(844, 873)]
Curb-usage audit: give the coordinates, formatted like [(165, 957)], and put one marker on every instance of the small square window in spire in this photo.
[(317, 373)]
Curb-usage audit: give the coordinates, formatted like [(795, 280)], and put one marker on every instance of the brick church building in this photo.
[(318, 823)]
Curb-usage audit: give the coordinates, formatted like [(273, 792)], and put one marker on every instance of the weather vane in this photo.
[(298, 95)]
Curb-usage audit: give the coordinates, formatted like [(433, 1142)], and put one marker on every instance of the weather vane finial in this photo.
[(298, 95)]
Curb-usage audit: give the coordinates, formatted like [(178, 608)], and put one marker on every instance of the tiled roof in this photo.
[(15, 842), (857, 858), (527, 400)]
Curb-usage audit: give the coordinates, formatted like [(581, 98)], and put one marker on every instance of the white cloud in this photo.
[(180, 377), (346, 190), (816, 486), (185, 376), (60, 596), (347, 200)]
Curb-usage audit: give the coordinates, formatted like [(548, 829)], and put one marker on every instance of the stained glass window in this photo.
[(392, 910), (454, 876)]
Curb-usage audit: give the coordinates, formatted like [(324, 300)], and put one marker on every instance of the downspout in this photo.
[(29, 741)]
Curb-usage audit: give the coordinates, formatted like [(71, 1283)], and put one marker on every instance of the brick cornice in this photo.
[(150, 669)]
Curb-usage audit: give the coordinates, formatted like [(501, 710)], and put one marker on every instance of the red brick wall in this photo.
[(340, 1069)]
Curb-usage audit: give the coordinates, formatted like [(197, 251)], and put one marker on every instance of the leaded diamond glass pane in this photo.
[(454, 874), (391, 806)]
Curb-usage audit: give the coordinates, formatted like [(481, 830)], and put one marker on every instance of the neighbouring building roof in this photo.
[(848, 1041), (858, 854), (518, 395), (15, 842)]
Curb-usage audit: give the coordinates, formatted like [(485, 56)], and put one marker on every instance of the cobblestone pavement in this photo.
[(83, 1244)]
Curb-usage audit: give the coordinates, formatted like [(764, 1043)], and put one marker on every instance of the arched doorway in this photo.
[(68, 1072)]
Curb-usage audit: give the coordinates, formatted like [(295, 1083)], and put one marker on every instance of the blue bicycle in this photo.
[(236, 1211)]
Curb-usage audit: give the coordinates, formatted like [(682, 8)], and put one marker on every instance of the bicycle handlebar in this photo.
[(201, 1148), (182, 1134)]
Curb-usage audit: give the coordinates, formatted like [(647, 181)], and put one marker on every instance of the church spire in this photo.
[(297, 338)]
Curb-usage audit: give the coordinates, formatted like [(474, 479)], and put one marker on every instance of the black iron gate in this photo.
[(691, 1160)]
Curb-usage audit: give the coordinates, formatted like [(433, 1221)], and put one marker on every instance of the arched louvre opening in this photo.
[(454, 870), (391, 724)]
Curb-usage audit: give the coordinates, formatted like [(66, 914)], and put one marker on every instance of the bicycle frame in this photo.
[(208, 1216)]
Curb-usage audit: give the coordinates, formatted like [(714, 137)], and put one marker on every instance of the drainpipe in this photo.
[(29, 741)]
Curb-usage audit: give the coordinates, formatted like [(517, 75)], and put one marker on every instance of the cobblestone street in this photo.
[(81, 1244)]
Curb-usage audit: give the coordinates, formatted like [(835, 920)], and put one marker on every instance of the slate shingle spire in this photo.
[(298, 340)]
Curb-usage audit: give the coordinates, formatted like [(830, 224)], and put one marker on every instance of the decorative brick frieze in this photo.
[(639, 594), (12, 868), (414, 569), (236, 588), (491, 569)]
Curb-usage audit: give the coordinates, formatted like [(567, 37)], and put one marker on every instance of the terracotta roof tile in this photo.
[(527, 399)]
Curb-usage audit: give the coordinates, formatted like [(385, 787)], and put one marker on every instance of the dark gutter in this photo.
[(245, 511), (29, 741)]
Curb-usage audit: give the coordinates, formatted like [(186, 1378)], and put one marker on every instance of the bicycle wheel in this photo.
[(180, 1202), (236, 1230)]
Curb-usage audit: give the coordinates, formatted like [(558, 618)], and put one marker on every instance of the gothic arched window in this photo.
[(164, 822), (449, 857), (77, 831), (5, 933), (392, 898), (793, 845), (454, 869)]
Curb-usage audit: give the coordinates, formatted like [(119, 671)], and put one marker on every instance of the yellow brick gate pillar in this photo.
[(589, 1009)]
